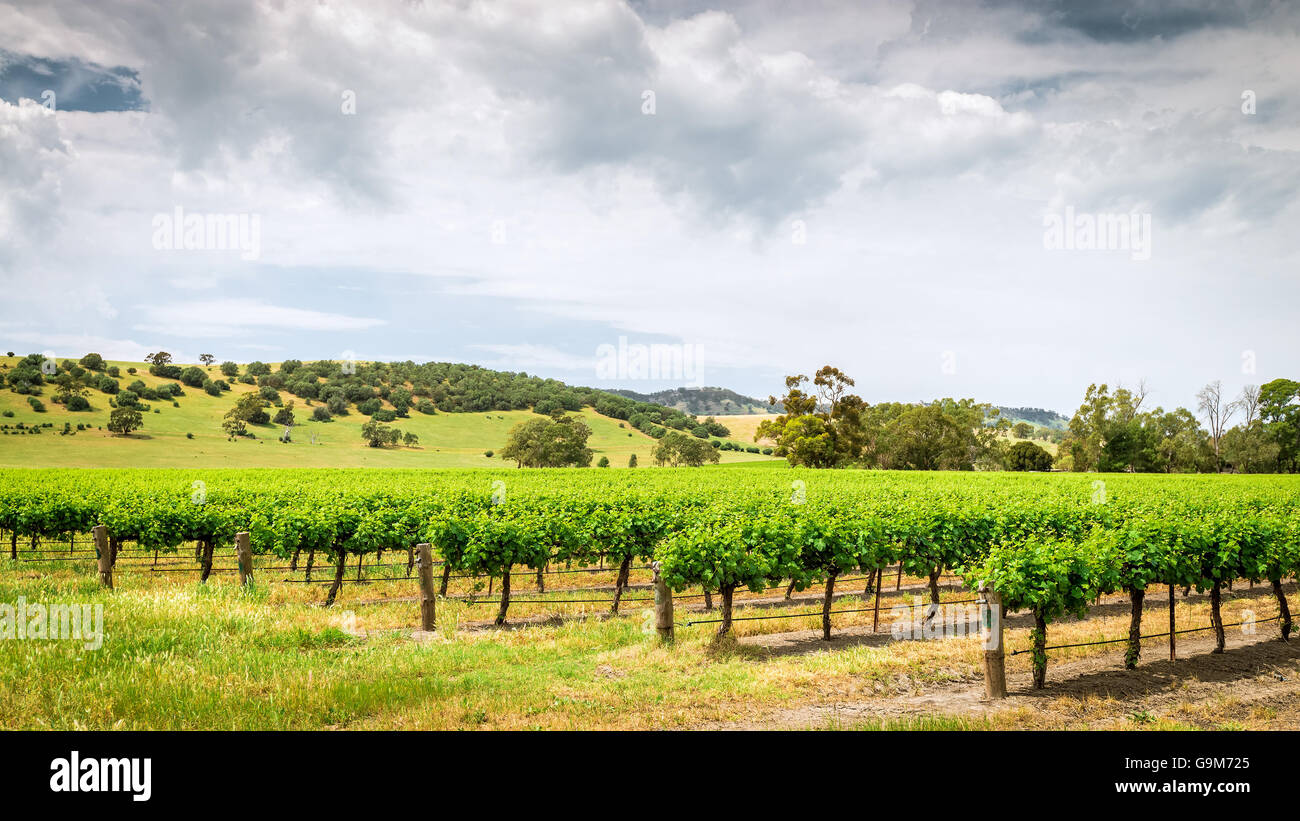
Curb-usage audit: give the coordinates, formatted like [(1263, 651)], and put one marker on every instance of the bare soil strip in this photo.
[(1256, 681)]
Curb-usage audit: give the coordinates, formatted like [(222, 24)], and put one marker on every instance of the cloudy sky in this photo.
[(777, 185)]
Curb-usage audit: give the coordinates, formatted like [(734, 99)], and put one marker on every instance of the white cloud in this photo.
[(228, 318), (529, 357)]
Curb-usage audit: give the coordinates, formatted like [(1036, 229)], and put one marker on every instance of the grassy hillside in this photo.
[(744, 426), (446, 439)]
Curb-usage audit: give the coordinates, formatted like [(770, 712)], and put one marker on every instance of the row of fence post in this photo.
[(995, 676), (104, 556)]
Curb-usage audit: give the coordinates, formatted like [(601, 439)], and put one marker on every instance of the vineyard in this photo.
[(721, 541)]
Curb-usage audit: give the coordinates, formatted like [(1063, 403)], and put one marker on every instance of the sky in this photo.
[(999, 200)]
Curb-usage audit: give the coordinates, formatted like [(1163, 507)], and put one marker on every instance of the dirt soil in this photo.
[(1255, 683)]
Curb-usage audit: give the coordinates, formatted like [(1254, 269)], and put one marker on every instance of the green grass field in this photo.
[(446, 439)]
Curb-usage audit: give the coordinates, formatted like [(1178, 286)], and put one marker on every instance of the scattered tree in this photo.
[(377, 434), (556, 441), (678, 449), (124, 420)]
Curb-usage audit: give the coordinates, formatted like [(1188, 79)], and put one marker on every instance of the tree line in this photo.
[(1112, 432), (824, 426)]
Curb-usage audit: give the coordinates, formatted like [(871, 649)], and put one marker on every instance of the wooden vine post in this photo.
[(244, 550), (1173, 639), (875, 613), (424, 564), (663, 606), (995, 669), (105, 556)]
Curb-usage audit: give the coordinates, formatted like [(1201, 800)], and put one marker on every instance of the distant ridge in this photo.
[(1036, 416), (714, 401), (708, 401)]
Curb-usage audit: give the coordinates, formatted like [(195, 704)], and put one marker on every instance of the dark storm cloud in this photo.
[(77, 85), (1125, 21)]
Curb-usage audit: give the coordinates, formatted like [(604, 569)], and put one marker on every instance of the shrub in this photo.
[(487, 453), (9, 414), (114, 371), (131, 371), (108, 385), (400, 398), (1026, 455), (426, 406), (284, 416), (189, 436), (194, 377), (268, 393), (77, 403), (357, 392), (307, 390), (36, 404), (603, 463), (128, 399), (321, 414), (212, 388), (385, 415), (92, 361), (229, 369), (368, 407)]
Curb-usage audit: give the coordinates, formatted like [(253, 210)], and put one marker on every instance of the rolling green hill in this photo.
[(189, 433)]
